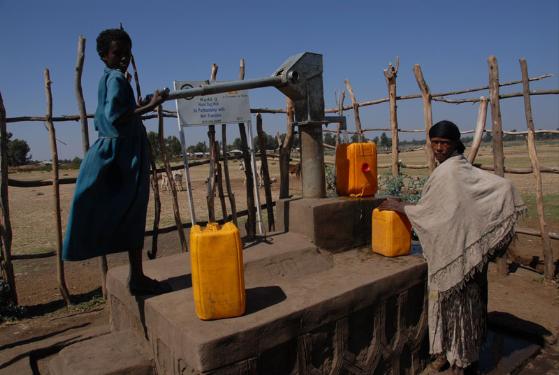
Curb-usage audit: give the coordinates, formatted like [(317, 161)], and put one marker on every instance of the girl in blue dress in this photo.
[(108, 212)]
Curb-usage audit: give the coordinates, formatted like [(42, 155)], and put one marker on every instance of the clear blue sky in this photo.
[(179, 40)]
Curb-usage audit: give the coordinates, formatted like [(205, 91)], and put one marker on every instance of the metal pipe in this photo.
[(312, 161), (216, 88)]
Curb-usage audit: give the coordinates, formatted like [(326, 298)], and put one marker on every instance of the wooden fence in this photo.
[(219, 163)]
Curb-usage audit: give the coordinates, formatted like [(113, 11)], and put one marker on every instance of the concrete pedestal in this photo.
[(308, 311), (333, 224)]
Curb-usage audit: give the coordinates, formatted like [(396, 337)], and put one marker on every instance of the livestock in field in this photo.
[(164, 184), (295, 169), (258, 172)]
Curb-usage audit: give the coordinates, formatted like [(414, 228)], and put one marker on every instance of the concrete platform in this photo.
[(307, 309)]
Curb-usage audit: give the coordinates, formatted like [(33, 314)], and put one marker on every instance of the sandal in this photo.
[(439, 363)]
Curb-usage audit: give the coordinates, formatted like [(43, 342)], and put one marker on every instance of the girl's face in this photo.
[(118, 56)]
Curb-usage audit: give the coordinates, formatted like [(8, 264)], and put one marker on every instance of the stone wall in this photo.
[(387, 338)]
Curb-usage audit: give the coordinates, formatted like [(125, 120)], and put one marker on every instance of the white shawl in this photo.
[(464, 216)]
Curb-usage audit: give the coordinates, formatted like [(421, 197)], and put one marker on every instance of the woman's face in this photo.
[(118, 56), (442, 148)]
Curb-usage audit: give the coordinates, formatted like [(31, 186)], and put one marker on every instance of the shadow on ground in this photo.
[(511, 342)]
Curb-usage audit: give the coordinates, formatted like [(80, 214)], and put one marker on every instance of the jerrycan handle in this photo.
[(212, 227)]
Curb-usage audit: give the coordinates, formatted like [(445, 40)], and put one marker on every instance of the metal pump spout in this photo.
[(299, 78)]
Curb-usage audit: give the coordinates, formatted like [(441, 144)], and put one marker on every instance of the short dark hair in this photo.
[(107, 36)]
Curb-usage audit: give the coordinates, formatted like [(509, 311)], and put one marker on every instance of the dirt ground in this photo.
[(523, 294)]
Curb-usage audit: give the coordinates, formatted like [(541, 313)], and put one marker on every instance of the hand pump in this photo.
[(300, 78)]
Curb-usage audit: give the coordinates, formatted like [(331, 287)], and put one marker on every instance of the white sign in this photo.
[(225, 108)]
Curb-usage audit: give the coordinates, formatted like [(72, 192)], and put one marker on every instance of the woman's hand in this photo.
[(393, 204)]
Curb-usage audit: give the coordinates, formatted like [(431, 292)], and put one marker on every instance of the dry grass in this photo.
[(31, 209)]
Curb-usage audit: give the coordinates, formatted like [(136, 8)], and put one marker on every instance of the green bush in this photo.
[(330, 174), (408, 188)]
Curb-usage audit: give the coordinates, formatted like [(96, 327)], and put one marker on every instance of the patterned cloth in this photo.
[(108, 212), (464, 217)]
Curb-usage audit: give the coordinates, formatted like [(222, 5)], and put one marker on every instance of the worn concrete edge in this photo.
[(229, 349), (179, 265)]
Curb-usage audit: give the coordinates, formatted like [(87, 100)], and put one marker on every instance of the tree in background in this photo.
[(355, 138), (172, 145), (271, 142), (76, 162), (198, 147), (384, 141), (18, 151), (237, 144), (154, 143)]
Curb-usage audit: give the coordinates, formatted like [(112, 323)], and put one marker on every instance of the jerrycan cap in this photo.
[(212, 227), (365, 168)]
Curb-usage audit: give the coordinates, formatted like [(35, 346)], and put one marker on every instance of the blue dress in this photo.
[(108, 212)]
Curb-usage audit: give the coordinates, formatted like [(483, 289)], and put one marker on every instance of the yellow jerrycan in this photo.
[(356, 169), (391, 233), (218, 283)]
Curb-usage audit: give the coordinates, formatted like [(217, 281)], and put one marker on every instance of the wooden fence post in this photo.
[(285, 150), (210, 193), (136, 80), (390, 74), (265, 174), (6, 267), (531, 138), (210, 197), (230, 193), (497, 137), (480, 128), (54, 152), (215, 167), (355, 105), (341, 113), (164, 156), (251, 208), (103, 266), (219, 178), (79, 94), (496, 122), (154, 183), (157, 204), (427, 114)]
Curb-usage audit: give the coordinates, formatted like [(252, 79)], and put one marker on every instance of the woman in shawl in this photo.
[(108, 212), (464, 218)]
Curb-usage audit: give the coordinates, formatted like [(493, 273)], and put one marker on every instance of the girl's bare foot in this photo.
[(146, 286)]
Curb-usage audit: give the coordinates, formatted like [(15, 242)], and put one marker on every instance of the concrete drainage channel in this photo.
[(504, 353)]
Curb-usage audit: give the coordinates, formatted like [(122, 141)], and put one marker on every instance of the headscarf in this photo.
[(449, 130)]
